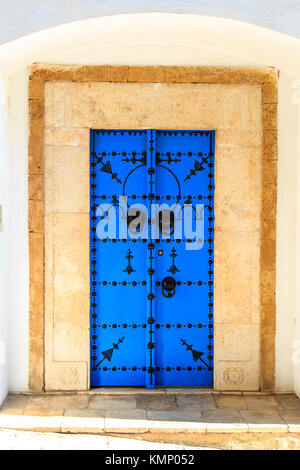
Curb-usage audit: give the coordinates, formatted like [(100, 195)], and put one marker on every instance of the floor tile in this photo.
[(112, 403), (255, 402), (40, 402), (289, 401), (175, 415), (193, 402), (69, 401), (231, 402), (222, 416), (264, 421), (290, 416), (156, 402), (14, 402), (85, 413)]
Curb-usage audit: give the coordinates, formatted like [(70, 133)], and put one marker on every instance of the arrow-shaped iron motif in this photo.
[(196, 354), (106, 168), (197, 167), (129, 269), (109, 352), (173, 269)]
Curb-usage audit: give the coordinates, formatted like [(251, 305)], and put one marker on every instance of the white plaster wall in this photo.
[(153, 38), (149, 40), (18, 287), (4, 236), (288, 131), (19, 17), (296, 343)]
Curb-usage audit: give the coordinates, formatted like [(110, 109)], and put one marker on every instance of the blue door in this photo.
[(152, 231)]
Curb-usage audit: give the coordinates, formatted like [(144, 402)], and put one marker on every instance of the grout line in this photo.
[(243, 419), (215, 402), (176, 402)]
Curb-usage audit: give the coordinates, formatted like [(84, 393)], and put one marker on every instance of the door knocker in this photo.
[(168, 287)]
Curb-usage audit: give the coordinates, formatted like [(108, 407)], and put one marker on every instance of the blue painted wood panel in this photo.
[(142, 334)]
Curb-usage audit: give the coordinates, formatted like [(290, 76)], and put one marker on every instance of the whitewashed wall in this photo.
[(162, 40), (19, 17), (18, 287), (4, 235)]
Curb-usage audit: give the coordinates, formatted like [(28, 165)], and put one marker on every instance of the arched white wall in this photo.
[(141, 38), (19, 18), (153, 39)]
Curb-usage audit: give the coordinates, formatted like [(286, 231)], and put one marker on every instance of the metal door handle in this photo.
[(168, 287)]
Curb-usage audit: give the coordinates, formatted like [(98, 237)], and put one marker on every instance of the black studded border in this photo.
[(93, 251), (157, 325), (150, 379), (157, 368), (210, 251)]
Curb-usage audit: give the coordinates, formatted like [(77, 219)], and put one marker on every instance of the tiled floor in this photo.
[(147, 414)]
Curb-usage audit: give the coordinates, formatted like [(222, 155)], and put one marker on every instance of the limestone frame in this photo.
[(266, 78)]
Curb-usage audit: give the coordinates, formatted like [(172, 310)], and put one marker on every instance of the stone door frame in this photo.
[(266, 78)]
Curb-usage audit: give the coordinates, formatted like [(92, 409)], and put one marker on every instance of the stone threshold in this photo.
[(130, 423), (183, 416), (162, 412), (225, 436), (141, 390)]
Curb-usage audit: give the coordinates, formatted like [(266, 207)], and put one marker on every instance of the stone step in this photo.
[(221, 420), (190, 432), (25, 440)]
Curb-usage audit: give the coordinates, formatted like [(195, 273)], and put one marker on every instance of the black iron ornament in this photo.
[(109, 352), (134, 160), (151, 171), (188, 200), (168, 287), (196, 354), (106, 168), (169, 159), (197, 167), (129, 269), (173, 269), (114, 201)]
